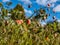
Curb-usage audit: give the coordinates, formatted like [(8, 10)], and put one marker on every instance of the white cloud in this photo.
[(45, 2), (28, 11), (26, 1), (58, 20), (52, 1), (5, 0), (43, 23), (57, 8), (41, 2)]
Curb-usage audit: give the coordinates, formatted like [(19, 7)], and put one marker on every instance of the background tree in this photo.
[(18, 12)]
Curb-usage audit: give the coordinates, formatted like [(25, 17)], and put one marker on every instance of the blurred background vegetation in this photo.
[(16, 29)]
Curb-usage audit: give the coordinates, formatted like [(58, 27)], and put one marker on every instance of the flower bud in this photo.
[(28, 21)]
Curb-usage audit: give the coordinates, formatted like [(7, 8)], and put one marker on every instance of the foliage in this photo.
[(27, 33)]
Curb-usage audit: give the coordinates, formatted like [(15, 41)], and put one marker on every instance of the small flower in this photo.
[(19, 21), (55, 34), (44, 17), (47, 39), (28, 21), (48, 5)]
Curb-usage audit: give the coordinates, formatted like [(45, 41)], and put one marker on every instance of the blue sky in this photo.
[(37, 4)]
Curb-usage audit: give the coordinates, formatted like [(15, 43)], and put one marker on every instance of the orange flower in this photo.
[(47, 39), (19, 21), (28, 21)]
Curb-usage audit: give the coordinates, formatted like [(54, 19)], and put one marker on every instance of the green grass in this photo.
[(14, 34)]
